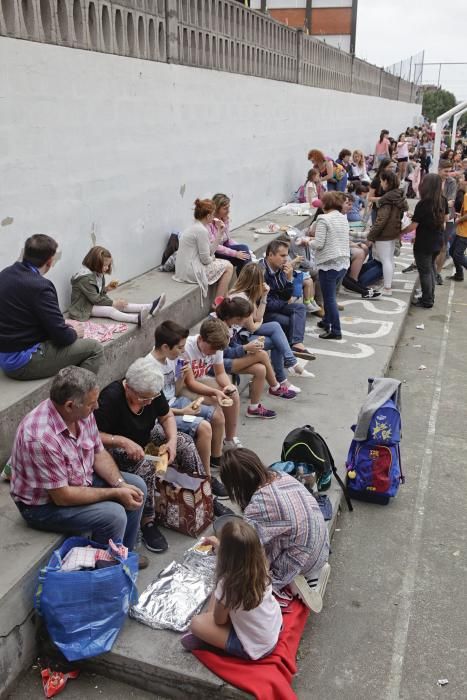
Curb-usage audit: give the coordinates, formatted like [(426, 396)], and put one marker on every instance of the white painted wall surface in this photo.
[(98, 147)]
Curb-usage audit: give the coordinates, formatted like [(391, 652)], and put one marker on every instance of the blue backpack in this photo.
[(374, 471)]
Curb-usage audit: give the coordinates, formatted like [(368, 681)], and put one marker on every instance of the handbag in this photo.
[(85, 610), (184, 502)]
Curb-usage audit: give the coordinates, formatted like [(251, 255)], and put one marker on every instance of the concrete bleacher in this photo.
[(23, 551)]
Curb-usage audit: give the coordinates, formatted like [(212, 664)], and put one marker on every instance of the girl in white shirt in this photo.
[(313, 186), (243, 617)]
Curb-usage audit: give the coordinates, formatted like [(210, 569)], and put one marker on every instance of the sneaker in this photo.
[(218, 489), (220, 509), (282, 392), (304, 354), (456, 278), (142, 317), (157, 305), (312, 307), (439, 279), (411, 268), (371, 294), (329, 335), (153, 539), (260, 412), (190, 642), (319, 312), (386, 292), (143, 561), (312, 598), (232, 444), (292, 387), (297, 373)]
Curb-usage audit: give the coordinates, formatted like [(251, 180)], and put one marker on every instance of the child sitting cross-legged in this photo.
[(89, 293), (250, 358), (243, 617)]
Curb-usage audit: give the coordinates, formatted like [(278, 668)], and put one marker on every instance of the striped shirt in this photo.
[(331, 242), (47, 456), (291, 528)]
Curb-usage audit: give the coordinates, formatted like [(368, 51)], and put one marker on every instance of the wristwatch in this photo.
[(118, 483)]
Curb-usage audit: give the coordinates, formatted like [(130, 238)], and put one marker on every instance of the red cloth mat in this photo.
[(269, 678)]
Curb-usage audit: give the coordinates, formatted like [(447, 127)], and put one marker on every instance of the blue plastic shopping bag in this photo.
[(85, 610)]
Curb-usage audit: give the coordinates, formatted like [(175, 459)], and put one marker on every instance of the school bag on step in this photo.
[(309, 451), (374, 471)]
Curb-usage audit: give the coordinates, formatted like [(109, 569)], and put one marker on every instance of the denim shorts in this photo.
[(227, 366), (191, 428), (234, 647)]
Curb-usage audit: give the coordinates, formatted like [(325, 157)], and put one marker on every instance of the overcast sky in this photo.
[(391, 30)]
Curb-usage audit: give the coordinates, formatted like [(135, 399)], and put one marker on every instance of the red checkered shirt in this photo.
[(47, 456)]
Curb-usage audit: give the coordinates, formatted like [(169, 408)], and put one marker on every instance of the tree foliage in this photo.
[(436, 102)]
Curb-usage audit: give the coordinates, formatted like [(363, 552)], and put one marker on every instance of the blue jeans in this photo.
[(276, 341), (236, 262), (292, 318), (370, 272), (458, 255), (106, 520), (329, 281)]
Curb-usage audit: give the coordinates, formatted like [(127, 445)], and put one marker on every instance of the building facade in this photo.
[(333, 21)]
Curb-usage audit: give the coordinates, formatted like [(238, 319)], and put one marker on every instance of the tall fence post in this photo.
[(351, 72), (399, 88), (300, 40), (381, 73), (171, 23)]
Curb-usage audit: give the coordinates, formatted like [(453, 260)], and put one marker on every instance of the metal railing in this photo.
[(216, 34)]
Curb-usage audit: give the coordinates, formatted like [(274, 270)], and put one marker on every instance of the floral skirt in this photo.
[(215, 270)]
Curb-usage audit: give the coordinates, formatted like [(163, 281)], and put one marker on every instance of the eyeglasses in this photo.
[(146, 399), (143, 399)]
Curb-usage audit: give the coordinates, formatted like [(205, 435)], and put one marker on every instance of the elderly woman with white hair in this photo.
[(133, 412)]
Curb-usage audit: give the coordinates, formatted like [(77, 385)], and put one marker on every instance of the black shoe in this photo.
[(157, 304), (421, 305), (218, 489), (220, 509), (153, 538), (456, 278), (410, 268), (323, 325), (329, 335), (143, 561), (439, 279)]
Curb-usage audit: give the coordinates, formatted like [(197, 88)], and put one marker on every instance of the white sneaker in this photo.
[(311, 596), (232, 444), (292, 387), (312, 307), (386, 292), (296, 373)]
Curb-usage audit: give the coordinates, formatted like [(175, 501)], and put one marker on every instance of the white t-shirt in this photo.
[(257, 629), (201, 363), (168, 370)]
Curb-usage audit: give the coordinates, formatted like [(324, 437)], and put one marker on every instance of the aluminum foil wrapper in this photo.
[(178, 593)]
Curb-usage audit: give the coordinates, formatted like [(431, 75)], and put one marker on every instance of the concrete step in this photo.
[(22, 550), (153, 659)]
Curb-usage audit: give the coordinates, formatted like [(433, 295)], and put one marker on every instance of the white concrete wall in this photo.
[(100, 148)]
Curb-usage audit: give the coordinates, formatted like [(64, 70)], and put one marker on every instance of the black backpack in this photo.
[(304, 445)]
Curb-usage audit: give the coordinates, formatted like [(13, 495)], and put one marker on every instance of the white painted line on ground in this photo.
[(401, 630), (375, 307)]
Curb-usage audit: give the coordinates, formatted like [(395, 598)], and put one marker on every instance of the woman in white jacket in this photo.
[(195, 262), (332, 254)]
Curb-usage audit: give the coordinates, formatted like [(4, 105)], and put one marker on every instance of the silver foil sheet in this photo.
[(178, 593)]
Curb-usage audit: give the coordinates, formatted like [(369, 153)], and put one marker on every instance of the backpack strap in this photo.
[(337, 477)]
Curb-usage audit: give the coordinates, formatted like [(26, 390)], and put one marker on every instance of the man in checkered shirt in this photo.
[(63, 479)]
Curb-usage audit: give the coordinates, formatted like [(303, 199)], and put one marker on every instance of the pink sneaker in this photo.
[(260, 412), (282, 392)]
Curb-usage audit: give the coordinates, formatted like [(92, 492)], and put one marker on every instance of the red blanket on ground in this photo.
[(269, 678)]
